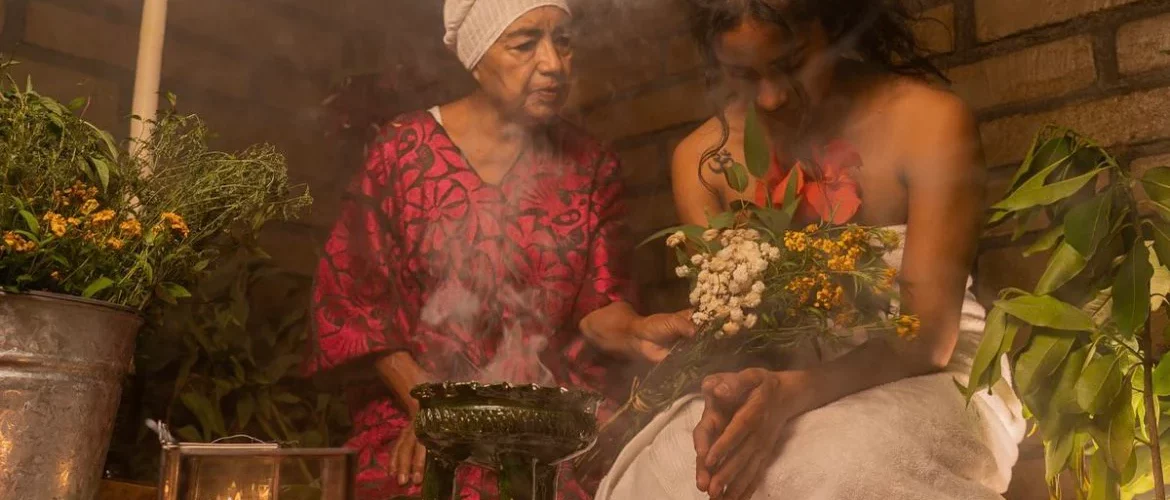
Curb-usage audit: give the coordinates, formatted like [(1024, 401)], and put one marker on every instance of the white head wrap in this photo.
[(474, 25)]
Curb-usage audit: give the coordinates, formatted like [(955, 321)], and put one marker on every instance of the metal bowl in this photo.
[(488, 424)]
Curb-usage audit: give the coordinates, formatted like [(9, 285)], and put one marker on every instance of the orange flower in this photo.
[(176, 223), (57, 224), (89, 206), (102, 218), (18, 243), (115, 243), (833, 197), (131, 228)]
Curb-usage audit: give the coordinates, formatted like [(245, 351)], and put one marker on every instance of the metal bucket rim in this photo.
[(79, 300)]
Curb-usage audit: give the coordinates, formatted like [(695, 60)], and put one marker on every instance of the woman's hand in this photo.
[(408, 458), (742, 428), (617, 328), (652, 337)]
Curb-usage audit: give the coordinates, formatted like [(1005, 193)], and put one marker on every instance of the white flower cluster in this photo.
[(730, 282)]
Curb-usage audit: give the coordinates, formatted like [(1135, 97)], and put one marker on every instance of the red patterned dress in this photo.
[(429, 258)]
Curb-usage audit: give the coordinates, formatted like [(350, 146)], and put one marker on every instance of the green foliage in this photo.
[(81, 216), (227, 363), (1084, 373)]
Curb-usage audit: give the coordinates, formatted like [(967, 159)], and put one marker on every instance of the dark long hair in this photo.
[(878, 32)]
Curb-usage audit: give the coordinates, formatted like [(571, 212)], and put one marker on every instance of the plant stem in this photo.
[(1151, 405)]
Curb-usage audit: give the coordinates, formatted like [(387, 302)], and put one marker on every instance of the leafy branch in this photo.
[(1090, 376)]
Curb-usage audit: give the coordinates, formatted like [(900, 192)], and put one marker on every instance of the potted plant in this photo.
[(1092, 375), (90, 237)]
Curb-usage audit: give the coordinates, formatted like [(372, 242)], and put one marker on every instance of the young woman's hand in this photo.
[(742, 428)]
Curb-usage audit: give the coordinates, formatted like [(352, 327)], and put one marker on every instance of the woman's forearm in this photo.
[(401, 373), (872, 364)]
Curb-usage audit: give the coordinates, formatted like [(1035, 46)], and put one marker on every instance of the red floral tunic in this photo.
[(430, 259)]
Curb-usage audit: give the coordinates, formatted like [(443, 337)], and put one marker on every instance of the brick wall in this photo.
[(255, 70), (1094, 65)]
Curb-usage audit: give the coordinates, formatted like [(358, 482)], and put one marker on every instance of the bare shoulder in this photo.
[(928, 112), (934, 128)]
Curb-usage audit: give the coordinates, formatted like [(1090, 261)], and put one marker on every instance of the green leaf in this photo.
[(999, 332), (1156, 182), (245, 408), (78, 103), (1162, 377), (1045, 156), (777, 221), (789, 204), (177, 291), (1046, 241), (1087, 224), (1099, 384), (107, 139), (1043, 356), (1131, 291), (1043, 310), (190, 434), (165, 295), (97, 286), (1064, 396), (279, 367), (1066, 263), (1120, 433), (737, 177), (1057, 454), (1161, 235), (1031, 196), (722, 220), (287, 398), (755, 145), (203, 410), (102, 168), (1103, 484), (30, 220)]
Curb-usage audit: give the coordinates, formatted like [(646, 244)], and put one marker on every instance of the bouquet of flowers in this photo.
[(758, 289), (81, 216)]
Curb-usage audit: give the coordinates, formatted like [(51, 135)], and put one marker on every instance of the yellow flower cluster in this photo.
[(131, 228), (907, 326), (18, 243), (79, 192), (795, 241), (889, 279), (57, 223), (176, 223), (102, 218), (819, 291)]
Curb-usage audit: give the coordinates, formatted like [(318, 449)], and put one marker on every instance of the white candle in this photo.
[(149, 71)]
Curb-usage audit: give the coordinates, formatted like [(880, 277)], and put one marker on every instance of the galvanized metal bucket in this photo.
[(62, 361)]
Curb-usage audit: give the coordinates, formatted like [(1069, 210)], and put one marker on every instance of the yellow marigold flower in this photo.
[(907, 326), (89, 206), (889, 279), (55, 275), (115, 243), (73, 221), (795, 242), (57, 224), (811, 228), (18, 243), (176, 223), (825, 245), (103, 217), (842, 264), (131, 228)]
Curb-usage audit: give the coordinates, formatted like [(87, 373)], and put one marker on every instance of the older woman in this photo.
[(479, 240)]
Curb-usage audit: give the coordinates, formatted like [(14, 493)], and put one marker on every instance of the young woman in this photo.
[(839, 81), (477, 239)]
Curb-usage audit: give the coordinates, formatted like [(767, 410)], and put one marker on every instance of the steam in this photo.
[(454, 308)]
